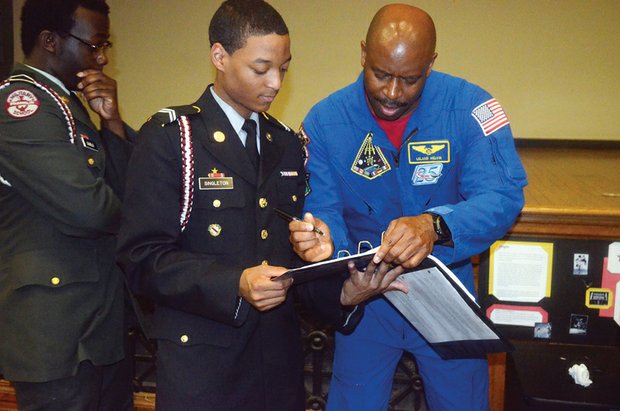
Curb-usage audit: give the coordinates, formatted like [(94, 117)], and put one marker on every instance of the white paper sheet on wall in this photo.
[(520, 271)]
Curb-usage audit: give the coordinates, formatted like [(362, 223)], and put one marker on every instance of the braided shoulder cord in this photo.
[(187, 158), (55, 97)]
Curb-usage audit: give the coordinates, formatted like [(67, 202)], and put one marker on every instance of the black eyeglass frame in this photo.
[(95, 48)]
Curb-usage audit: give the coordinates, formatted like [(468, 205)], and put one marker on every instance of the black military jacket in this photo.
[(192, 274)]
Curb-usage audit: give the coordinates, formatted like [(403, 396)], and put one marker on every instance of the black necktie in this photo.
[(249, 126)]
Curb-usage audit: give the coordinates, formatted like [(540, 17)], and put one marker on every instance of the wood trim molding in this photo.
[(569, 223), (562, 143)]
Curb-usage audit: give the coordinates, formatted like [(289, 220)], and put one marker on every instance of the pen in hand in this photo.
[(290, 218)]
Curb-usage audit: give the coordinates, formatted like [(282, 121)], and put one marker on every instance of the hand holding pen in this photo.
[(289, 218), (310, 237)]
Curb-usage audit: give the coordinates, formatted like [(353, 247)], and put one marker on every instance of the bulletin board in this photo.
[(552, 289)]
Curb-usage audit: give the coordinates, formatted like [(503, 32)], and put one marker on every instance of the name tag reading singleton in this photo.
[(219, 182)]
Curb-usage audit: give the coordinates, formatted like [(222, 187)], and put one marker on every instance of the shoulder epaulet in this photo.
[(17, 77), (171, 114), (277, 122), (21, 77), (58, 100)]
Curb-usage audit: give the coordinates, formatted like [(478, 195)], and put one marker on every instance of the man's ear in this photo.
[(219, 56), (363, 53), (48, 41), (430, 66)]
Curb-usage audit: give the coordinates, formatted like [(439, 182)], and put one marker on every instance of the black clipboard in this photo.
[(432, 312), (329, 267)]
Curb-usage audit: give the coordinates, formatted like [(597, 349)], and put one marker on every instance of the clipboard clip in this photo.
[(364, 243), (362, 246)]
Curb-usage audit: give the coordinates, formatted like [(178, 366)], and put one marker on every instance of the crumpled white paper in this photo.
[(580, 374)]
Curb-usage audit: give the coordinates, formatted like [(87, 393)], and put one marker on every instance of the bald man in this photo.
[(429, 159)]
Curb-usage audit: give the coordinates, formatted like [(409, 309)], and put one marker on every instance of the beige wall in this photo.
[(17, 51), (553, 64)]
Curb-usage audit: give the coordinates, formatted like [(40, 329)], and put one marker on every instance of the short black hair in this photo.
[(236, 20), (52, 15)]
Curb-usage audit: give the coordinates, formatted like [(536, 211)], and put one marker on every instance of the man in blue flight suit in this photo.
[(428, 160)]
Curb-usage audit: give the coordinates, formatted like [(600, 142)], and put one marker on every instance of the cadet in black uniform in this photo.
[(61, 293), (201, 238)]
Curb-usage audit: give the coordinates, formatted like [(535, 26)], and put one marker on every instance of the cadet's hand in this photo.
[(257, 288), (99, 91), (361, 285), (309, 245), (407, 241)]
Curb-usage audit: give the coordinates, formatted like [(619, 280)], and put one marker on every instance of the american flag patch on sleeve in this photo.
[(490, 115)]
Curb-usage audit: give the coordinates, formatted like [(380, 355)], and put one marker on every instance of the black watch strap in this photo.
[(441, 229)]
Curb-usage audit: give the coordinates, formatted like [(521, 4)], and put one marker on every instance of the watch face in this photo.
[(437, 224), (441, 229)]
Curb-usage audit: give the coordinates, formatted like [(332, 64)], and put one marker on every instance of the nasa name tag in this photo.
[(215, 183), (424, 152)]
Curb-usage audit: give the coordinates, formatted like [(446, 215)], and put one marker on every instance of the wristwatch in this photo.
[(441, 229)]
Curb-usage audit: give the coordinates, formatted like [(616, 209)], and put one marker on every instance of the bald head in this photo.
[(401, 23), (397, 55)]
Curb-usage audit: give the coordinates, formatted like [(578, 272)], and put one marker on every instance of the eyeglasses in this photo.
[(95, 48)]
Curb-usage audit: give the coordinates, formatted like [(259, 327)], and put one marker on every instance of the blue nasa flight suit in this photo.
[(458, 160)]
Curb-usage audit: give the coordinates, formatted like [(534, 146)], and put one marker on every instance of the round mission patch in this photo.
[(22, 103)]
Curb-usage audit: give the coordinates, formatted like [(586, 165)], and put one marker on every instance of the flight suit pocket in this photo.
[(430, 185), (506, 157)]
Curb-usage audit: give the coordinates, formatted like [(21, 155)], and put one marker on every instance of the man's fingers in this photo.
[(303, 245), (268, 304), (284, 284), (397, 286), (393, 274), (389, 248), (300, 226), (401, 252), (88, 72), (415, 260), (371, 267), (266, 299)]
